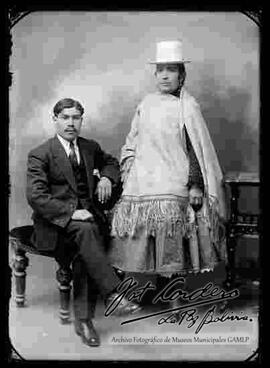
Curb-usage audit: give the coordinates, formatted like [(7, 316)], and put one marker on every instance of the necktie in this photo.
[(72, 156)]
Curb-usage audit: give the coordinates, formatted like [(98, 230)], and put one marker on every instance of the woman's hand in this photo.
[(104, 189), (195, 197)]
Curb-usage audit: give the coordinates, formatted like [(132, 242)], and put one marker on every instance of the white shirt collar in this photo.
[(66, 145)]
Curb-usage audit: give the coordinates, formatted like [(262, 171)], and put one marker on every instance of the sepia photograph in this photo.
[(134, 173)]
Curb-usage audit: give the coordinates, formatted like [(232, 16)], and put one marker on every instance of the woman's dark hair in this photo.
[(67, 103), (182, 73)]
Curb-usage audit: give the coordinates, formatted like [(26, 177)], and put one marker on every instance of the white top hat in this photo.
[(169, 52)]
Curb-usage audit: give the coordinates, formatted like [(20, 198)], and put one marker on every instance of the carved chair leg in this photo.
[(20, 263), (64, 277), (229, 283), (230, 267)]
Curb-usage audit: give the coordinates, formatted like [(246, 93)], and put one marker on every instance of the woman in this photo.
[(172, 182)]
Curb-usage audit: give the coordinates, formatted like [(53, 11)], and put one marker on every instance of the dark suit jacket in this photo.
[(51, 186)]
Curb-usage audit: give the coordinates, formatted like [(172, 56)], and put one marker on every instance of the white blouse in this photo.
[(160, 164)]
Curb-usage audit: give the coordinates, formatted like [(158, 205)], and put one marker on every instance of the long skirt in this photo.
[(156, 237)]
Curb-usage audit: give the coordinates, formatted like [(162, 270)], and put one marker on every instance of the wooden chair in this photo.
[(20, 241)]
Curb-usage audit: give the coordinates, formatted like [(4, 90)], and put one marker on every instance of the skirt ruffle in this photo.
[(131, 214)]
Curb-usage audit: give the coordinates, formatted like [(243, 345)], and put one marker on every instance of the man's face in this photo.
[(68, 123), (167, 77)]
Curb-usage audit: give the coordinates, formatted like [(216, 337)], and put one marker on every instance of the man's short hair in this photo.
[(67, 103)]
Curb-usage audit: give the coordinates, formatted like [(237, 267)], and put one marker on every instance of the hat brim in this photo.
[(170, 62)]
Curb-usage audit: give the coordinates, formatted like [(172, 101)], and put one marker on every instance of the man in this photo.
[(67, 220)]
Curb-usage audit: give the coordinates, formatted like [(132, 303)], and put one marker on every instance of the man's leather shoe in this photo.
[(121, 274), (88, 334), (124, 307)]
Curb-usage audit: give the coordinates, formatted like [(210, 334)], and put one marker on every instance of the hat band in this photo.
[(163, 61)]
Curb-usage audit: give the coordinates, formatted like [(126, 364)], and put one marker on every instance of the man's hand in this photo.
[(82, 215), (195, 197), (104, 189)]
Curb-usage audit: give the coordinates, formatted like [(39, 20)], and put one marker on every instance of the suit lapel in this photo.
[(63, 162)]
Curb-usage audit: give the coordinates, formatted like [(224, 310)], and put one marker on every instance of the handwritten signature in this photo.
[(192, 317), (208, 294)]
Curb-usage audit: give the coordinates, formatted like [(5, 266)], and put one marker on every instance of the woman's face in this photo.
[(167, 77)]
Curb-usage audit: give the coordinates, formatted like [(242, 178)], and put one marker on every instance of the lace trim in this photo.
[(171, 216), (152, 215)]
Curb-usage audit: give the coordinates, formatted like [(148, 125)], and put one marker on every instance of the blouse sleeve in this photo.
[(129, 149), (195, 174)]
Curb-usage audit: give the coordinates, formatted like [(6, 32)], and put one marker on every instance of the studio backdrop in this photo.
[(100, 59)]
